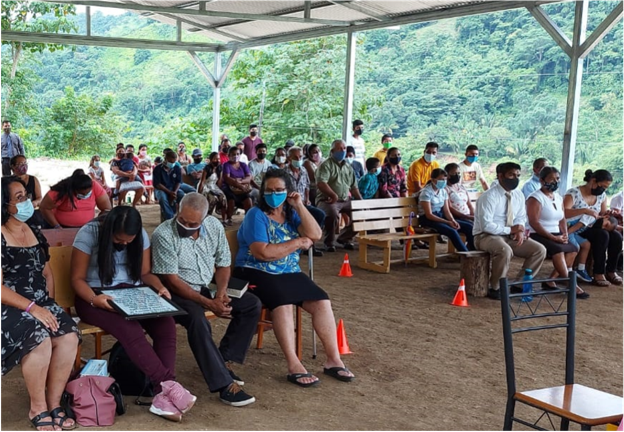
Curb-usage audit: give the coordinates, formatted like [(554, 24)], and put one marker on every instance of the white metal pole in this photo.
[(347, 115), (216, 104)]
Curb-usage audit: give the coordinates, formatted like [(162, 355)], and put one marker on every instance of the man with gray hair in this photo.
[(187, 252)]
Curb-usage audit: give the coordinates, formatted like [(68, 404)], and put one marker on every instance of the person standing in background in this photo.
[(251, 142), (470, 170), (357, 142), (386, 143), (12, 145), (533, 184)]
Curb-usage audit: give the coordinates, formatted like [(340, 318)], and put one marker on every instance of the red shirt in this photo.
[(68, 216), (224, 158), (250, 146)]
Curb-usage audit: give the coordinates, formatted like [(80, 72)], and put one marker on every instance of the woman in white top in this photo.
[(459, 199), (547, 225), (97, 175)]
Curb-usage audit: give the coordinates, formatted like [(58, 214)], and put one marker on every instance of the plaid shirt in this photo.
[(393, 183)]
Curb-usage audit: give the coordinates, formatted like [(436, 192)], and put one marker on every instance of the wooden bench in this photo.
[(60, 237), (387, 214)]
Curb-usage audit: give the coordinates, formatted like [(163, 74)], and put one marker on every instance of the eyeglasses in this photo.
[(23, 198)]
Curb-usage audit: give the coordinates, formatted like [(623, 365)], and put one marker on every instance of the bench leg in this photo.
[(363, 255), (432, 252), (263, 318), (98, 345), (299, 334), (78, 360), (386, 257)]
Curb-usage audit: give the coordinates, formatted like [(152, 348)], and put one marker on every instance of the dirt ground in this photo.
[(421, 364)]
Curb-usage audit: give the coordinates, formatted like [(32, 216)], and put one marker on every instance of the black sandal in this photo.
[(37, 421), (294, 378), (62, 419), (334, 373)]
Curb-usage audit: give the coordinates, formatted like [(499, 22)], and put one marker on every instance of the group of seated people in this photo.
[(179, 262)]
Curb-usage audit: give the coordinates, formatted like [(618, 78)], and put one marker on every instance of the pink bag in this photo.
[(91, 401)]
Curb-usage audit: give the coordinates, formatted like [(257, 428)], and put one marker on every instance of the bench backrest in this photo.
[(60, 263), (233, 243), (60, 237), (385, 213)]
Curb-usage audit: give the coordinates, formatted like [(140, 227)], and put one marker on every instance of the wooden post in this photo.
[(475, 270)]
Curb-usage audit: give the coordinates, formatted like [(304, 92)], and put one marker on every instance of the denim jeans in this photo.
[(166, 206), (453, 234)]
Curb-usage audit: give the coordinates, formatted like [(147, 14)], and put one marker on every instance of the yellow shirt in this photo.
[(381, 155), (420, 171)]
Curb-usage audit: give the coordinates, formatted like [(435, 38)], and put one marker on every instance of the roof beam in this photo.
[(601, 31), (228, 67), (73, 39), (307, 9), (451, 12), (203, 69), (551, 28), (360, 8), (204, 13), (203, 27)]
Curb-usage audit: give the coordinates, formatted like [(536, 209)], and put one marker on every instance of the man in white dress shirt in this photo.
[(500, 216)]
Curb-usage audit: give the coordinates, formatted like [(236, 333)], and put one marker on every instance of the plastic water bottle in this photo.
[(527, 287)]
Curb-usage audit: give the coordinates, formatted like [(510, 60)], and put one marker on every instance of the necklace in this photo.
[(22, 241)]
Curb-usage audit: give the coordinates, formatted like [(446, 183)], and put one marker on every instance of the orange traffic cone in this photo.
[(345, 271), (343, 344), (460, 296)]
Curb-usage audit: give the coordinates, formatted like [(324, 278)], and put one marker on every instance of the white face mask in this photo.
[(281, 159), (350, 160)]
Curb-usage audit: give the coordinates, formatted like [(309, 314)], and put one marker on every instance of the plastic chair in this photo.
[(571, 402)]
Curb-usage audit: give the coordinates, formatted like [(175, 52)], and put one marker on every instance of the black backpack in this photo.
[(131, 380)]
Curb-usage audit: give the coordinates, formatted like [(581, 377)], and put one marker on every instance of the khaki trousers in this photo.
[(502, 249)]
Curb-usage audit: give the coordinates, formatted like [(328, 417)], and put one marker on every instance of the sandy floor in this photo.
[(420, 363)]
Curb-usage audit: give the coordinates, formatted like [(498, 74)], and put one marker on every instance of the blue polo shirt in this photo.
[(169, 179)]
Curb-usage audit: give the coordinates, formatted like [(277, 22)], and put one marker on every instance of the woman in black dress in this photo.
[(19, 166), (36, 332), (270, 238)]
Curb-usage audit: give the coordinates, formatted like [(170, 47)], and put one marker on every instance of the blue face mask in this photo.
[(378, 171), (25, 210), (441, 184), (170, 165), (296, 163), (84, 197), (275, 199), (472, 159), (339, 155), (429, 157)]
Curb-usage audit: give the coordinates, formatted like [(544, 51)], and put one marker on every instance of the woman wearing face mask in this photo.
[(143, 155), (72, 201), (19, 166), (183, 158), (113, 251), (548, 226), (224, 150), (392, 178), (269, 239), (36, 333), (126, 176), (314, 159), (459, 199), (279, 159), (591, 200), (97, 175), (236, 184), (208, 186), (433, 202)]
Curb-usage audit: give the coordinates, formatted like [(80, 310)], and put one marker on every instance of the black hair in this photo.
[(287, 179), (260, 146), (451, 166), (431, 144), (390, 150), (15, 158), (158, 159), (213, 154), (312, 147), (472, 147), (350, 149), (385, 136), (181, 142), (289, 143), (167, 150), (232, 150), (274, 160), (505, 167), (129, 146), (600, 175), (357, 123), (600, 221), (546, 171), (437, 173), (209, 168), (5, 121), (142, 146), (371, 163), (6, 195), (126, 220), (66, 187), (253, 126), (537, 162)]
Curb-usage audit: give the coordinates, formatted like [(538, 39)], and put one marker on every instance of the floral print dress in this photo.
[(22, 269)]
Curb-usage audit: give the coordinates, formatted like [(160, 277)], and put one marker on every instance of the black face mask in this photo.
[(394, 160), (119, 247), (597, 191), (198, 160), (359, 132), (253, 133), (184, 231), (453, 179), (510, 184), (551, 187), (225, 150), (261, 156)]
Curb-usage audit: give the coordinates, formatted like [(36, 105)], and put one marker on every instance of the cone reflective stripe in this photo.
[(460, 296), (343, 344), (345, 271)]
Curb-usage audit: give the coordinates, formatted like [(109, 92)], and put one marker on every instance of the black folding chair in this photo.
[(570, 402)]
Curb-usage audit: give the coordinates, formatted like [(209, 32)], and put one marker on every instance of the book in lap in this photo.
[(236, 287)]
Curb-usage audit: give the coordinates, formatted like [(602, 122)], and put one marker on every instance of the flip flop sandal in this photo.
[(62, 419), (296, 376), (615, 279), (601, 283), (334, 373), (37, 421)]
